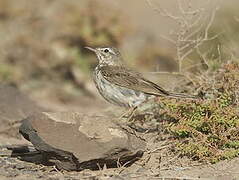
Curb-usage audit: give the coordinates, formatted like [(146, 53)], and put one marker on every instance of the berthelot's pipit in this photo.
[(122, 86)]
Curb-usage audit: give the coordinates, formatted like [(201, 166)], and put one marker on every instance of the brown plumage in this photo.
[(123, 77), (122, 86)]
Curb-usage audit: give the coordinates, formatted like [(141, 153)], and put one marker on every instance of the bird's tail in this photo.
[(181, 95)]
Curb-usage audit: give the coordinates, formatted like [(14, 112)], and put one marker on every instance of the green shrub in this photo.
[(207, 129)]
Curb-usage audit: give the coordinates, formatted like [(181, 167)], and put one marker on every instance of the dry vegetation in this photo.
[(208, 129), (205, 130)]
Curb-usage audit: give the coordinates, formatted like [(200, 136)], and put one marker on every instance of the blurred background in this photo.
[(42, 44)]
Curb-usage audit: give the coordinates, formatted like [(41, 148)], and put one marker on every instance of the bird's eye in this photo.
[(106, 50)]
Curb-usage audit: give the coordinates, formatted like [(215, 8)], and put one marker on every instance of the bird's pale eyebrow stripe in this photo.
[(112, 52)]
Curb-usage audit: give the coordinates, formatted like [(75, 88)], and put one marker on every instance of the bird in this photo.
[(122, 86)]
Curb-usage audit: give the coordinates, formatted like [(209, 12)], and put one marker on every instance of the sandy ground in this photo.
[(151, 166)]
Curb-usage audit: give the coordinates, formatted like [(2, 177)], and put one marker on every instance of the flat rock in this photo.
[(74, 141), (14, 106)]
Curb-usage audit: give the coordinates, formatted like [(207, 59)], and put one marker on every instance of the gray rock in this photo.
[(14, 106), (74, 141)]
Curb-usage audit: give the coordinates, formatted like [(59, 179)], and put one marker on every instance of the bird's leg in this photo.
[(132, 112), (129, 114)]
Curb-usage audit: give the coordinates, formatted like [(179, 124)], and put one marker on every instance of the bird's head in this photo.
[(107, 55)]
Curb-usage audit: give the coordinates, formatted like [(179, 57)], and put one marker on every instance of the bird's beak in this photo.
[(92, 49)]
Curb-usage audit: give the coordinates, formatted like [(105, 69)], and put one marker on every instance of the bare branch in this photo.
[(210, 22), (194, 25), (168, 39), (162, 12)]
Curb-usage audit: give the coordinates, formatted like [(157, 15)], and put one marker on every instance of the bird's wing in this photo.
[(123, 77)]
